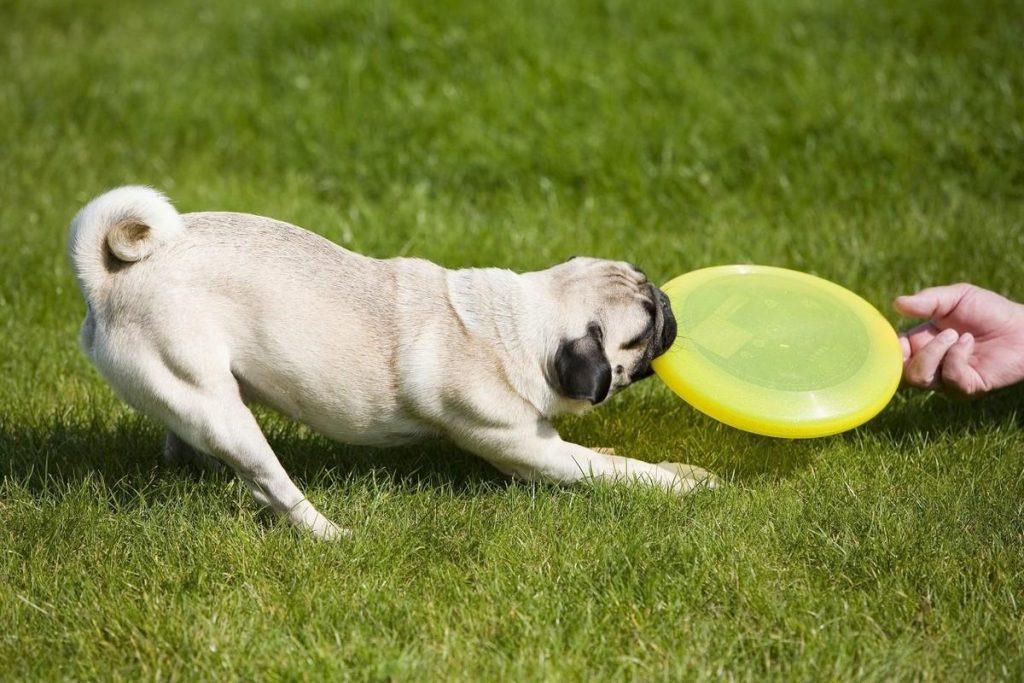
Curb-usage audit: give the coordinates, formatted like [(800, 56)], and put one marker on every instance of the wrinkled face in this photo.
[(615, 323)]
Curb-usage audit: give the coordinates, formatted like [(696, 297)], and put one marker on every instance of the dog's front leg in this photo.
[(536, 452)]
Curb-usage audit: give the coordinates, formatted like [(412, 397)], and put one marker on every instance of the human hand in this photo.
[(972, 344)]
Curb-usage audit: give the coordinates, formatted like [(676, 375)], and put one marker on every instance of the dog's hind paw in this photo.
[(325, 530), (307, 517)]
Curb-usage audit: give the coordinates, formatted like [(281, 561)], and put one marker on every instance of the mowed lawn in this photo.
[(878, 144)]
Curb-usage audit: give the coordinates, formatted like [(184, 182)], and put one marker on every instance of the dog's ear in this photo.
[(581, 369)]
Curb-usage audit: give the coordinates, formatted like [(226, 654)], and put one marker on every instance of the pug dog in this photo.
[(192, 317)]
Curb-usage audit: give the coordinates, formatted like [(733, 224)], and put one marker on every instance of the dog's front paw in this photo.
[(690, 477)]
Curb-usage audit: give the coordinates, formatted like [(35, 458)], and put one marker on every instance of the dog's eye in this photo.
[(638, 341)]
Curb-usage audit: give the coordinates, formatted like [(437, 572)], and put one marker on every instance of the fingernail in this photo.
[(966, 338), (950, 335)]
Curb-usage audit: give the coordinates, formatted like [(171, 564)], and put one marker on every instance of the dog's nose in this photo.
[(668, 327)]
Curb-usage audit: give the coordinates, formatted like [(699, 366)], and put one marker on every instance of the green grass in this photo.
[(879, 144)]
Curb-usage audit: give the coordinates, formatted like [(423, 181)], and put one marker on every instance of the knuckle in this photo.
[(959, 383), (917, 379), (922, 376), (914, 373), (966, 289)]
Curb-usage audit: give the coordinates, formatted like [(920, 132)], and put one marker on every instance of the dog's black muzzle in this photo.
[(661, 343), (668, 325)]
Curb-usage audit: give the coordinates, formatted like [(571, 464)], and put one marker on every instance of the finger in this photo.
[(919, 337), (923, 369), (933, 302), (957, 374), (905, 346)]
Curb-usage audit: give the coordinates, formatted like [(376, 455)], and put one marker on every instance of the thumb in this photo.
[(933, 302)]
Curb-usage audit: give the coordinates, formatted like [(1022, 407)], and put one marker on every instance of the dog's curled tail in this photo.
[(119, 227)]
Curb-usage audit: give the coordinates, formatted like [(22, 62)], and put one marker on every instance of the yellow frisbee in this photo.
[(778, 352)]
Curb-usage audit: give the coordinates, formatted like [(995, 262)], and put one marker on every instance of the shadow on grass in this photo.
[(757, 458), (674, 431), (57, 453), (928, 417), (125, 456), (912, 417)]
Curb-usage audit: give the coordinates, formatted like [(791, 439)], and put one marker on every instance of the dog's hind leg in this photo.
[(223, 426), (204, 409)]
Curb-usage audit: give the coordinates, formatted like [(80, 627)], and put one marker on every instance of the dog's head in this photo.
[(611, 323)]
